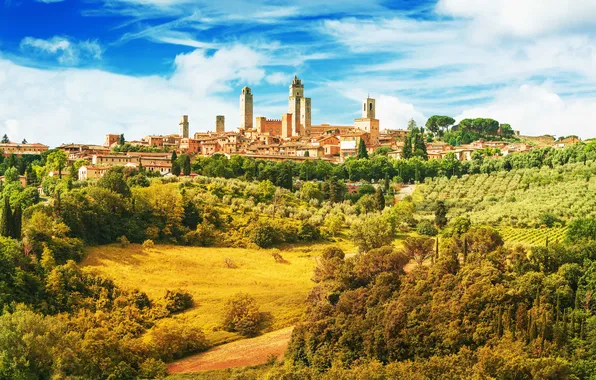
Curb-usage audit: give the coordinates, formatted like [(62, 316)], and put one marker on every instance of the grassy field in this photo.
[(280, 289)]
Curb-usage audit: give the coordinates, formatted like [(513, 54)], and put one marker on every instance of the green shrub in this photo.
[(148, 244), (241, 315), (124, 242), (177, 300), (264, 235), (426, 228)]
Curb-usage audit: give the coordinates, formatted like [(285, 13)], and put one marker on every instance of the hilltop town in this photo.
[(292, 136)]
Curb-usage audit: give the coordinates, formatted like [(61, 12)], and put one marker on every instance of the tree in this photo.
[(24, 141), (5, 139), (185, 164), (176, 170), (121, 140), (113, 180), (407, 150), (174, 157), (371, 233), (420, 146), (11, 175), (418, 248), (379, 199), (441, 214), (241, 314), (362, 153), (57, 160), (7, 221), (17, 224), (412, 124)]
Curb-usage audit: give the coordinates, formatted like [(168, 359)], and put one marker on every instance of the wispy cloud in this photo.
[(65, 51)]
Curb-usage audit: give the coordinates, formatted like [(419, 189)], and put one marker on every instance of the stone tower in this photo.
[(246, 109), (368, 122), (184, 126), (299, 107), (220, 124), (368, 108)]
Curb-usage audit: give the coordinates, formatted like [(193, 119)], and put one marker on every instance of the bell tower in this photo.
[(368, 108), (184, 126)]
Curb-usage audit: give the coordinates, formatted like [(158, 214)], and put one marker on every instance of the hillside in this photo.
[(280, 289), (517, 198)]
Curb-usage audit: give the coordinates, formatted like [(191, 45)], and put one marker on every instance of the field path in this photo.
[(240, 353)]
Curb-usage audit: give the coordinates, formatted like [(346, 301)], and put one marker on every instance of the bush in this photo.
[(309, 232), (371, 233), (171, 339), (426, 228), (177, 300), (203, 236), (153, 369), (148, 244), (265, 236), (241, 315), (124, 242)]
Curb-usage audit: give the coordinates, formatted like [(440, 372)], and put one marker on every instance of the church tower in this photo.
[(368, 122), (368, 108), (300, 108), (246, 109), (184, 126)]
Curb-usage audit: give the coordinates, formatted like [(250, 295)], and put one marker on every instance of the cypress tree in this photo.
[(174, 156), (362, 153), (186, 165), (7, 219), (437, 248), (176, 168), (18, 222), (407, 150), (465, 249), (379, 199)]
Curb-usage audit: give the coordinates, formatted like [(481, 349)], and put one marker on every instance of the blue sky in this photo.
[(72, 71)]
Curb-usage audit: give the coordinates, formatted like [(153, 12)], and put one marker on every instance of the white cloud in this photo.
[(82, 105), (66, 52), (526, 18), (395, 114), (278, 78), (537, 110)]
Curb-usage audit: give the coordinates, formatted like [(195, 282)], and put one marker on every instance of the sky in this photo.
[(75, 70)]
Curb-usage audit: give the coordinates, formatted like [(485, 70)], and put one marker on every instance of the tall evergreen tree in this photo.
[(441, 214), (176, 167), (407, 150), (174, 156), (420, 146), (362, 152), (5, 139), (121, 140), (185, 164), (379, 199), (18, 221), (7, 221)]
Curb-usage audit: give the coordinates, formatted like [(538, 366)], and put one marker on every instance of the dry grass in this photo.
[(280, 289)]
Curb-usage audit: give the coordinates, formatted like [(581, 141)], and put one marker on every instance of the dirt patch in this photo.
[(240, 353)]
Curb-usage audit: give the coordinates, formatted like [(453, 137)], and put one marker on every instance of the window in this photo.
[(370, 106)]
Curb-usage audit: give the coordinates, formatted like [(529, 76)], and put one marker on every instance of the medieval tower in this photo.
[(299, 107), (220, 124), (368, 108), (184, 126), (246, 109), (368, 122)]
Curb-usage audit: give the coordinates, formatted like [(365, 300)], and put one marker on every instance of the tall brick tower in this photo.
[(220, 124), (246, 109), (299, 107), (184, 126)]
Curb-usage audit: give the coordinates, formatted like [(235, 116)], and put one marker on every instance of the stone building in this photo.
[(246, 109)]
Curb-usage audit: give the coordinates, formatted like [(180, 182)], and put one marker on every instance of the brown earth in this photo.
[(241, 353)]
